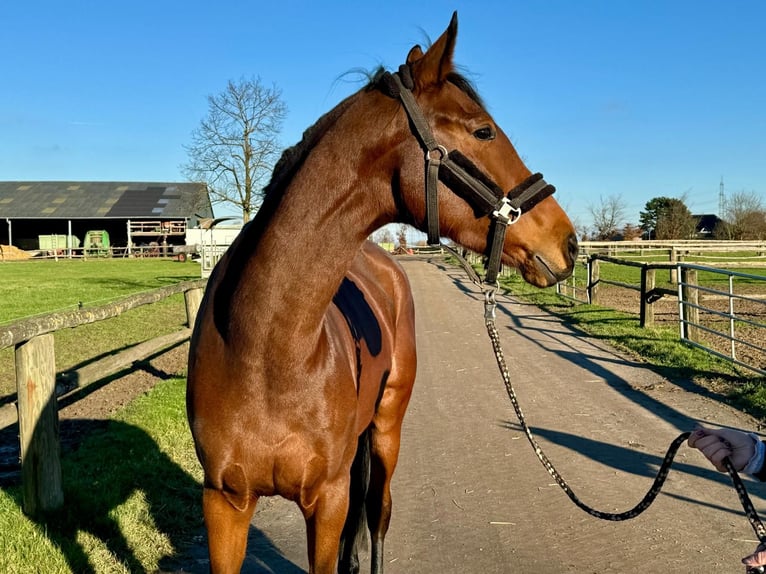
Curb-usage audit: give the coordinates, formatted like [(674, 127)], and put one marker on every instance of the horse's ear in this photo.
[(415, 54), (433, 67)]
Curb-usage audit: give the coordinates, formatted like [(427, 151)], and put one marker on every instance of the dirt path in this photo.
[(469, 494)]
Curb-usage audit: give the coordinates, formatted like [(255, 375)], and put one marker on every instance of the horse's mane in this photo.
[(465, 86), (293, 157)]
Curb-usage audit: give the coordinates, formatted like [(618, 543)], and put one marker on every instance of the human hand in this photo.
[(756, 559), (717, 444)]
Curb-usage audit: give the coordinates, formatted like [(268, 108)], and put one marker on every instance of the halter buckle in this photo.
[(507, 212)]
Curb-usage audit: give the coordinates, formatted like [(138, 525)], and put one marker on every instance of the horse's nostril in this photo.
[(573, 246)]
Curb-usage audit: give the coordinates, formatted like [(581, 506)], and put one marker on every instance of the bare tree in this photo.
[(630, 232), (235, 147), (745, 217), (401, 235), (383, 235), (608, 216)]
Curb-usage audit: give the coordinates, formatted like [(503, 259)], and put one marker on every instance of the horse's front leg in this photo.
[(227, 529), (325, 518)]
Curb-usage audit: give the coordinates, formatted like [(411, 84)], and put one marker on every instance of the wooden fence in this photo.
[(36, 382)]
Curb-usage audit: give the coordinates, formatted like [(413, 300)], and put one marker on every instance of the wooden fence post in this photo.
[(691, 312), (38, 425), (193, 299), (593, 277), (648, 282)]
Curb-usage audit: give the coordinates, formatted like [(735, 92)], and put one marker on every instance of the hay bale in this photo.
[(12, 253)]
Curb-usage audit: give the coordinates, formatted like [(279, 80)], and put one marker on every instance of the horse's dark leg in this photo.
[(325, 518), (227, 529)]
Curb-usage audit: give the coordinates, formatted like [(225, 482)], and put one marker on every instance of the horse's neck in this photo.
[(307, 246)]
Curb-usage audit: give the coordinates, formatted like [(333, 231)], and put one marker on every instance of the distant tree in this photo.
[(667, 218), (383, 235), (401, 235), (608, 217), (744, 218), (648, 218), (753, 226), (235, 147), (630, 232), (676, 222)]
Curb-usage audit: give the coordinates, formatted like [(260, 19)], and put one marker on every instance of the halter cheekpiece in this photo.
[(464, 178)]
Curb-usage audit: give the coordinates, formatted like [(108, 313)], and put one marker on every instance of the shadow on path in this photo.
[(632, 461)]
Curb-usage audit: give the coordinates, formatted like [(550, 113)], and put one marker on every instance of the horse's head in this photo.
[(541, 242)]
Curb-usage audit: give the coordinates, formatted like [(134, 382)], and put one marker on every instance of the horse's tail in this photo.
[(354, 534)]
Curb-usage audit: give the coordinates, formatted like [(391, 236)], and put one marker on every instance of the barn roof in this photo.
[(102, 200), (706, 222)]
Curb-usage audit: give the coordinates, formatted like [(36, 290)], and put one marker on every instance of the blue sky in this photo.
[(637, 99)]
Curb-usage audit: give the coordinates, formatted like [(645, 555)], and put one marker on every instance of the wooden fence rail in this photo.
[(36, 382)]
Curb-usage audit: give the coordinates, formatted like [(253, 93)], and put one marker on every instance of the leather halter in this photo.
[(464, 178)]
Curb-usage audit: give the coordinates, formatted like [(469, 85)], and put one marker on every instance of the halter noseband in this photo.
[(464, 178)]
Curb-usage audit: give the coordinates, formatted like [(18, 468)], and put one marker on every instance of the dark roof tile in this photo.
[(82, 200)]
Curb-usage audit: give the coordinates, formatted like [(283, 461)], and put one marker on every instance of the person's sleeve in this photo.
[(755, 466)]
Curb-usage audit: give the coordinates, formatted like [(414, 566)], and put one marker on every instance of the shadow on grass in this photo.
[(105, 464)]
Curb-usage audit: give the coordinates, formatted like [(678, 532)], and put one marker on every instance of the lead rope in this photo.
[(490, 306)]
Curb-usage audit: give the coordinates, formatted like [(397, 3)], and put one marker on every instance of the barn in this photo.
[(66, 215)]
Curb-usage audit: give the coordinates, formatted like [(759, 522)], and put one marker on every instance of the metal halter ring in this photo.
[(442, 153)]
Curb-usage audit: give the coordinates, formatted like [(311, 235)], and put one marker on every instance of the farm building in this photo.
[(68, 215), (706, 224)]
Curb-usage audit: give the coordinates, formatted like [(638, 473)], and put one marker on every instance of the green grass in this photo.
[(132, 495), (132, 487), (34, 287), (30, 288)]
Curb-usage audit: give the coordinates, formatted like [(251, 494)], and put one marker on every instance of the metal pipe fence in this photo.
[(720, 310)]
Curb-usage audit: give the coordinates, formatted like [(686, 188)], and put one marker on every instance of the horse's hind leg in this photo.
[(385, 439), (227, 529)]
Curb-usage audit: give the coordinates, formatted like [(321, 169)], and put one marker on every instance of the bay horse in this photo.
[(302, 359)]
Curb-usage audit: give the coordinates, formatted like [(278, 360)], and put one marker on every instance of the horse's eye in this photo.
[(484, 134)]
